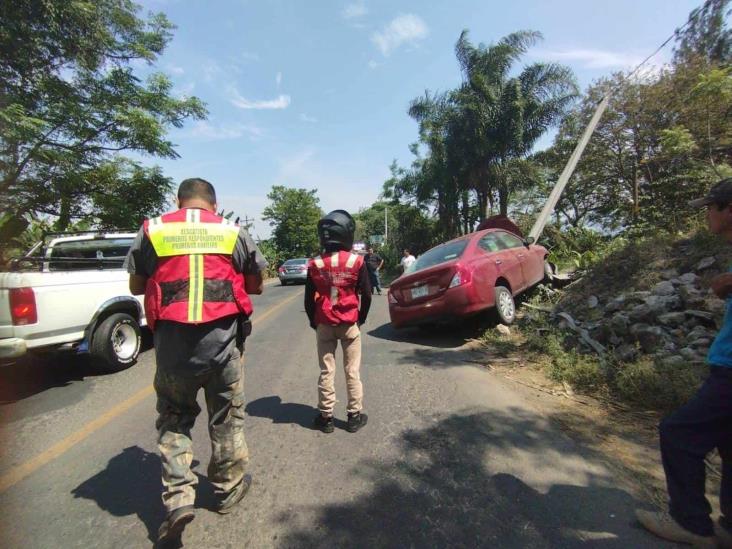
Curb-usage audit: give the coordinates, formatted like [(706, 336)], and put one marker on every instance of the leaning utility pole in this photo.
[(551, 202)]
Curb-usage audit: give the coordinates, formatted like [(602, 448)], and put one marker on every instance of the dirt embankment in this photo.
[(618, 421)]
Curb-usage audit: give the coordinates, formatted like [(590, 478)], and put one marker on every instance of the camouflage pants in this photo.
[(177, 409)]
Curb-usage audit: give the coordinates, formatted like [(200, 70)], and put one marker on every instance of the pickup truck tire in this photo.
[(115, 343)]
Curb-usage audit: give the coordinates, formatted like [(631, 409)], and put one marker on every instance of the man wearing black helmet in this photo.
[(335, 281)]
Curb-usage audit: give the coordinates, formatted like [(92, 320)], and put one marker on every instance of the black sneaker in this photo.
[(174, 524), (236, 495), (356, 420), (323, 423)]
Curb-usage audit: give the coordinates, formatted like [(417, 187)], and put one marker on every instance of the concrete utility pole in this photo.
[(551, 202)]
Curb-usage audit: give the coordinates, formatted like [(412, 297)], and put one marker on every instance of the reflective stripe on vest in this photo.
[(195, 288)]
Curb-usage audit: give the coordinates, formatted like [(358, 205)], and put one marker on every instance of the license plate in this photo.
[(420, 291)]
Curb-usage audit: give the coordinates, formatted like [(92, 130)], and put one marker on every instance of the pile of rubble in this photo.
[(675, 321)]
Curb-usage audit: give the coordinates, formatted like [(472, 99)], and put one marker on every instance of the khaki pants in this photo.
[(350, 337), (177, 409)]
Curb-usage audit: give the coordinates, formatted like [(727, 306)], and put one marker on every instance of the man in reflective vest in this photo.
[(335, 281), (197, 270)]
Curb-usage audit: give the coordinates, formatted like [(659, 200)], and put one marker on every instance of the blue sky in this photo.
[(314, 94)]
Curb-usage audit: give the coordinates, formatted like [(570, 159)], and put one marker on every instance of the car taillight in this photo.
[(392, 299), (23, 306), (459, 278)]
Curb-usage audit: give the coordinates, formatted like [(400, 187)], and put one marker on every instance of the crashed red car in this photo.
[(464, 276)]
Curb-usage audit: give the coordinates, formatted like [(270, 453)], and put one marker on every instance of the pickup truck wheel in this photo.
[(505, 305), (116, 343)]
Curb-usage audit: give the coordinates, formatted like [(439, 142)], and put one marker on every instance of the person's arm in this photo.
[(310, 301), (380, 264), (250, 262), (721, 285), (138, 283), (364, 288), (140, 263), (254, 283)]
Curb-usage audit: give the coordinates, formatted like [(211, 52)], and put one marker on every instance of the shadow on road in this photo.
[(273, 408), (441, 493), (36, 373), (130, 485), (447, 336)]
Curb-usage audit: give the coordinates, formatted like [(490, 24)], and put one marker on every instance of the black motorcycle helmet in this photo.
[(335, 231)]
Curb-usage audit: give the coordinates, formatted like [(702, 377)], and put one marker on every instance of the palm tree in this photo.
[(502, 116)]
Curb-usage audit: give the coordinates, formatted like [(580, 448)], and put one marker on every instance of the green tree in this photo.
[(70, 103), (505, 115), (706, 35), (293, 215)]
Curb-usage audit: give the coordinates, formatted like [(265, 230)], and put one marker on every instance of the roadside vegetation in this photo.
[(72, 104)]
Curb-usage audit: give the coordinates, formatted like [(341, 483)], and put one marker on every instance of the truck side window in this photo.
[(89, 255)]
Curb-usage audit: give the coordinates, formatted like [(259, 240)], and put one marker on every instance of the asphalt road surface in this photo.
[(451, 457)]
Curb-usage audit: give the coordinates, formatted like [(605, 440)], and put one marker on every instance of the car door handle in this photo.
[(521, 256), (498, 261)]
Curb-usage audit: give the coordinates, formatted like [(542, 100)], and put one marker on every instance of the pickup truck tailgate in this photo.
[(6, 322)]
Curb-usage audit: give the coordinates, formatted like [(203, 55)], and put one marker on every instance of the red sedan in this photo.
[(461, 277)]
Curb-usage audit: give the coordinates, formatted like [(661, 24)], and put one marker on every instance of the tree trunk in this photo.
[(64, 216), (503, 200)]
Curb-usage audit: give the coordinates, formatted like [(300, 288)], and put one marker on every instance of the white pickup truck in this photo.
[(71, 292)]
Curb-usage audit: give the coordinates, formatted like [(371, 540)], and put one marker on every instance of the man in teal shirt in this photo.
[(704, 423)]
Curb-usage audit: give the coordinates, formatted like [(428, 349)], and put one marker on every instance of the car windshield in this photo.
[(296, 262), (439, 254)]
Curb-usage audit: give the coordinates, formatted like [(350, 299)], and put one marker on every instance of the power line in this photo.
[(695, 14)]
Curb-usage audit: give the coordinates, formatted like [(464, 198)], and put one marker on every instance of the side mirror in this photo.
[(529, 240)]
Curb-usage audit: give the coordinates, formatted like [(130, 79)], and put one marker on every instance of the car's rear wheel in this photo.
[(548, 273), (505, 305), (115, 343)]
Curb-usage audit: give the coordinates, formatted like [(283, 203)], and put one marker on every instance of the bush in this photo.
[(500, 344), (653, 384), (582, 372)]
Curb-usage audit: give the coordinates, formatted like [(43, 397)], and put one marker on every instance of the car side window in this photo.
[(509, 240), (490, 243)]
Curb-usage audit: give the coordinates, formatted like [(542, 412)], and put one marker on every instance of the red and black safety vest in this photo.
[(195, 280), (335, 277)]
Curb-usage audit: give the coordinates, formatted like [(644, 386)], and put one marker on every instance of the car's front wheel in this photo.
[(505, 305), (116, 343)]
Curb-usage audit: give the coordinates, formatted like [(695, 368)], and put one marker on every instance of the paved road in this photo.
[(451, 457)]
